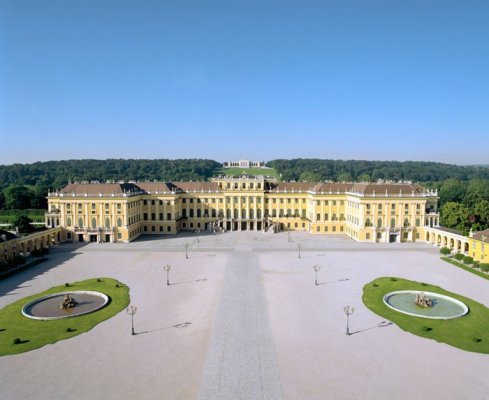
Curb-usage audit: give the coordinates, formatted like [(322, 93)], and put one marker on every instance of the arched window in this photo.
[(68, 221), (274, 213), (281, 213), (119, 222), (303, 214), (417, 221), (379, 223), (184, 213), (393, 223), (191, 213), (236, 213), (213, 213), (80, 222), (221, 214), (94, 223), (258, 213), (368, 223), (228, 213), (107, 222), (289, 212), (199, 213), (252, 214), (406, 222), (243, 213)]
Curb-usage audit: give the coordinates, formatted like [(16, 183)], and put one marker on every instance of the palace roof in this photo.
[(482, 236)]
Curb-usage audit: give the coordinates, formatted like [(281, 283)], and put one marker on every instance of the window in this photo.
[(168, 228), (199, 213), (145, 202), (161, 216), (334, 228), (145, 216), (68, 221), (334, 202), (326, 217), (94, 223), (318, 217), (191, 213), (417, 222), (119, 222), (318, 228), (379, 235), (107, 222), (406, 222), (393, 223), (379, 223), (368, 223), (367, 236), (153, 216), (153, 229)]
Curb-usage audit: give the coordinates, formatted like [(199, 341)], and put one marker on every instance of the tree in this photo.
[(455, 215), (481, 214), (344, 177), (18, 197), (363, 177), (23, 224), (310, 177), (452, 190)]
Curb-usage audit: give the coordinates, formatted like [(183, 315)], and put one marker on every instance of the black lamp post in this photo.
[(348, 311), (316, 269), (167, 268), (131, 310), (299, 246)]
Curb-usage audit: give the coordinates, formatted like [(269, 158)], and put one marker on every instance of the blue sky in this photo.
[(376, 80)]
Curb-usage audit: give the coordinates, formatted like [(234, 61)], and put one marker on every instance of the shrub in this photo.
[(70, 330), (484, 267), (459, 256), (427, 328), (477, 340), (17, 341), (99, 280), (393, 279), (445, 251), (375, 285), (475, 264), (468, 260), (67, 284)]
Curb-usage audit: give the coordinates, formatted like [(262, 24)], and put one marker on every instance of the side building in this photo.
[(365, 212)]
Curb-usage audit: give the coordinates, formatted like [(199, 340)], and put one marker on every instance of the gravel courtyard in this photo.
[(242, 319)]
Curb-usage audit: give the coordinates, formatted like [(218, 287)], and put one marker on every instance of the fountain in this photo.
[(425, 304), (65, 305), (423, 301)]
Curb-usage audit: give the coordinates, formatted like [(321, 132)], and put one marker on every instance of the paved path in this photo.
[(241, 360)]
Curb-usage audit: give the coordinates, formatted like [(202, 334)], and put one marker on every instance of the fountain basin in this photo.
[(48, 307), (444, 307)]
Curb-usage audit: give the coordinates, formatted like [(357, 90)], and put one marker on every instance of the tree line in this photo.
[(25, 186), (313, 170)]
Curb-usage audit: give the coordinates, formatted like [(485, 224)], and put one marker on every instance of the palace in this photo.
[(365, 212)]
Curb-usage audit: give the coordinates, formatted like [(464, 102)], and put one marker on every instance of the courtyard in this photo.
[(242, 318)]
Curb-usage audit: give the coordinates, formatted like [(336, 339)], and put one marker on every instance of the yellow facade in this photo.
[(365, 212), (479, 246)]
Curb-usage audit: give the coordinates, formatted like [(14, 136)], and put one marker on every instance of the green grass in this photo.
[(470, 332), (10, 216), (250, 171), (34, 334), (465, 267)]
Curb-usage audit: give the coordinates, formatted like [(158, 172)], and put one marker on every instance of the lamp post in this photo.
[(348, 311), (299, 246), (316, 269), (186, 249), (197, 232), (167, 268), (131, 310)]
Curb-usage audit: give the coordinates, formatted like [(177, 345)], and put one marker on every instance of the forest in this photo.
[(463, 190)]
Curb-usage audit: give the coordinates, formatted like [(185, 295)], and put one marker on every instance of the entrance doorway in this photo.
[(80, 237), (107, 238), (393, 238), (243, 226), (93, 238)]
